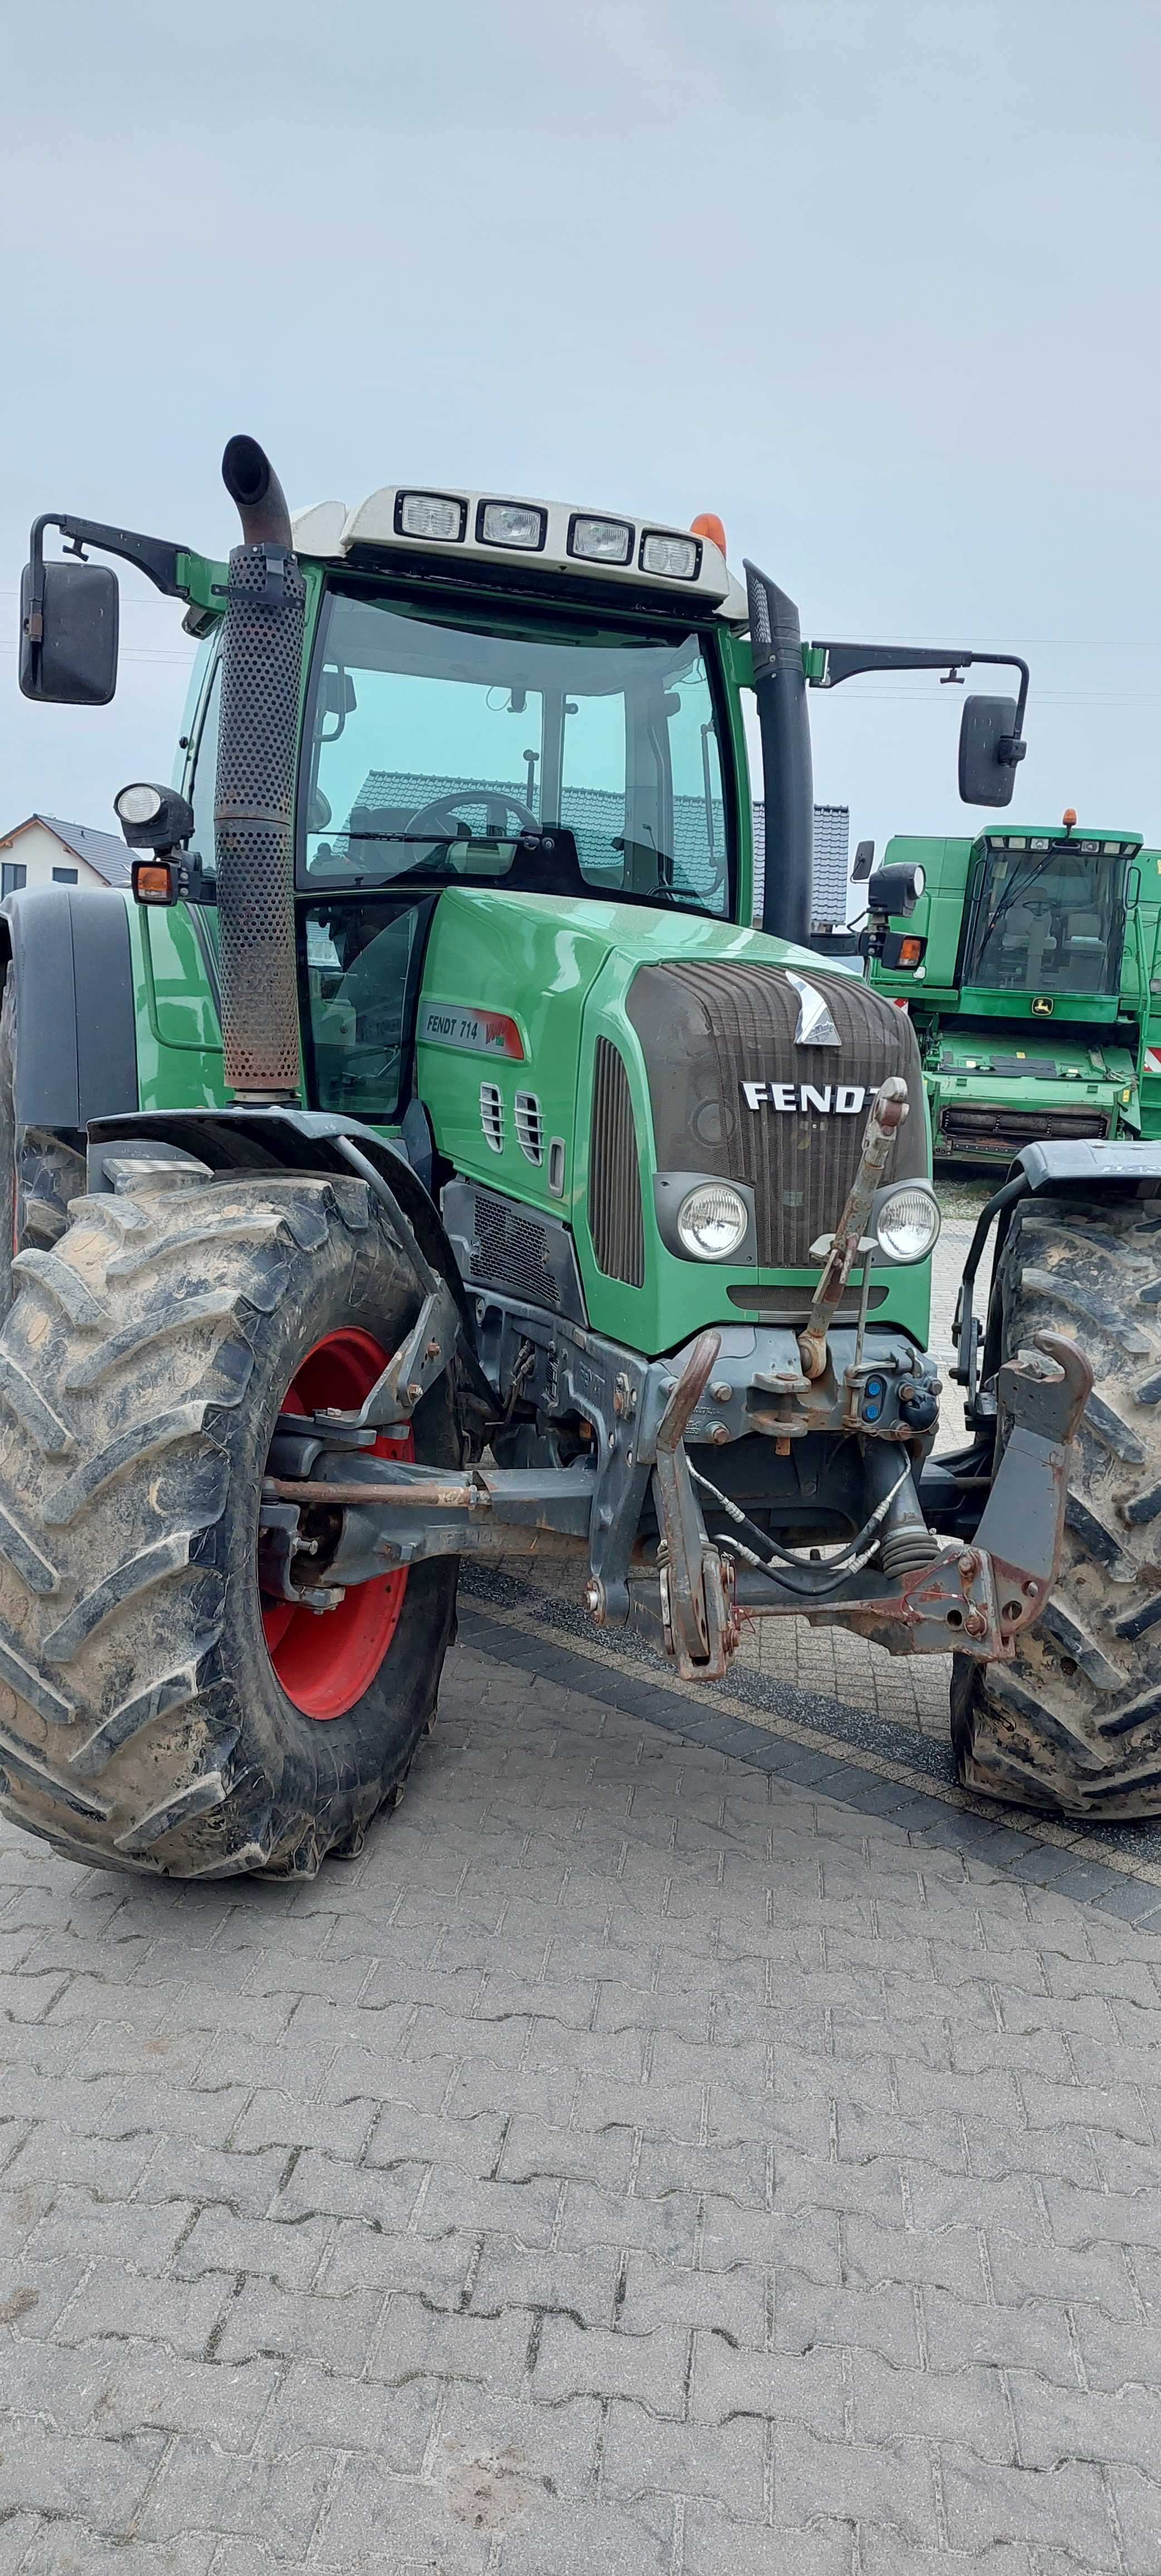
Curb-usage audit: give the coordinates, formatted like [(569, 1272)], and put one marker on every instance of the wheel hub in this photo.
[(326, 1659)]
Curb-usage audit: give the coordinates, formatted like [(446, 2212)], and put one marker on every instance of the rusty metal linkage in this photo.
[(888, 1110)]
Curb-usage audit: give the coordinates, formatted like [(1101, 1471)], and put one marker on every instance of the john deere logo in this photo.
[(837, 1099), (1041, 1006)]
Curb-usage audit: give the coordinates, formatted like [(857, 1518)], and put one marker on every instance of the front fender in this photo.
[(296, 1140), (68, 947)]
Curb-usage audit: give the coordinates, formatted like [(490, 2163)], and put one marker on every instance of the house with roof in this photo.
[(44, 851)]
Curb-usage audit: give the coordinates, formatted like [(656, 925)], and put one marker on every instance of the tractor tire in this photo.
[(1073, 1723), (39, 1174), (157, 1713)]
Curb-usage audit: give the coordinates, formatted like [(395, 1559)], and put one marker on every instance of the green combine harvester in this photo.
[(1029, 965), (428, 1161)]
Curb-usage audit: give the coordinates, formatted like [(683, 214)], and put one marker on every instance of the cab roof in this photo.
[(383, 523), (1094, 839)]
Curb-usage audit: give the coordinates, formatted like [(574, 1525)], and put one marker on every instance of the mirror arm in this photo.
[(845, 661), (152, 555)]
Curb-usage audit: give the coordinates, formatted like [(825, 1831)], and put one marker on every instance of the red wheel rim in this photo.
[(325, 1660)]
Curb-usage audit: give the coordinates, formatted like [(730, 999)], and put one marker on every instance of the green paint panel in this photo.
[(179, 1047)]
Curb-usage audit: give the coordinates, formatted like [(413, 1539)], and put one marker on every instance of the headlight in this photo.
[(907, 1222), (712, 1221)]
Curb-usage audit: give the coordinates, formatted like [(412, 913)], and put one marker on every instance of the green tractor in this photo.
[(1028, 962), (429, 1161)]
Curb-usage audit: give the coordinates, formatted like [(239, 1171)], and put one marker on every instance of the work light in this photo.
[(600, 540), (675, 557), (511, 523), (434, 515)]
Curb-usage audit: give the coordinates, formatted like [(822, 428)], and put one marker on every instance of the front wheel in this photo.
[(160, 1710), (1073, 1722)]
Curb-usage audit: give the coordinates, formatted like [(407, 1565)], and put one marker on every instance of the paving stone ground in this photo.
[(652, 2154)]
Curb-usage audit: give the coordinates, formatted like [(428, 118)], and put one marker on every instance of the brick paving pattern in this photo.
[(636, 2160)]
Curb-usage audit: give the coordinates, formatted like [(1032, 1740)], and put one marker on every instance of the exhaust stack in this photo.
[(254, 797), (780, 690)]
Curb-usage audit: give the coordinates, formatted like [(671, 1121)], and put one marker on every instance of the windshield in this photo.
[(551, 760), (1046, 923)]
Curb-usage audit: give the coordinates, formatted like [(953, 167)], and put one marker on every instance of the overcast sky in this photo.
[(875, 279)]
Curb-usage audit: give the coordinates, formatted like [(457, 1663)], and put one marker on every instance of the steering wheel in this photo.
[(497, 804)]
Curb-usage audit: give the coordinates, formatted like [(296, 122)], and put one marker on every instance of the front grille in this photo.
[(996, 1126), (792, 1305), (615, 1220), (708, 1027)]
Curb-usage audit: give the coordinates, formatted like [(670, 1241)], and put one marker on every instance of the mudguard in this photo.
[(77, 1057), (1060, 1163), (297, 1140)]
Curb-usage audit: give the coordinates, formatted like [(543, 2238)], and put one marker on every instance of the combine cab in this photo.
[(430, 1161), (1029, 966)]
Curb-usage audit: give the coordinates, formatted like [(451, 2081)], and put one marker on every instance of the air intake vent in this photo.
[(492, 1115), (792, 1305), (615, 1220), (529, 1126), (500, 1245)]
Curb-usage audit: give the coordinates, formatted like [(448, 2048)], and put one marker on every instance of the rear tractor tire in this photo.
[(39, 1171), (1073, 1723), (157, 1712)]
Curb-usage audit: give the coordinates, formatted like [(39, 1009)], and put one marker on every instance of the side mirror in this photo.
[(896, 890), (989, 748), (336, 698), (864, 862), (68, 632)]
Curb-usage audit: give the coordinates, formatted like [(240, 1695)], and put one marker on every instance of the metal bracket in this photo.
[(696, 1593), (417, 1363)]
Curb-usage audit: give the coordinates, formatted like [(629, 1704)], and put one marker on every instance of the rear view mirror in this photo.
[(68, 633), (864, 862), (989, 748), (336, 698)]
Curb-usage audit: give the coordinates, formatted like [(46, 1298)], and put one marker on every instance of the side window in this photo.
[(699, 820), (205, 773)]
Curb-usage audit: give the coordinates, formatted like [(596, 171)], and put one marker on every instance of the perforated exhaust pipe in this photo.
[(254, 798)]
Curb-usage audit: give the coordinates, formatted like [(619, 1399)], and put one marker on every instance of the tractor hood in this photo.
[(594, 1061)]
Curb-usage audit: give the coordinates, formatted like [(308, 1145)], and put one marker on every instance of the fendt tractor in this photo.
[(428, 1161), (1030, 966)]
